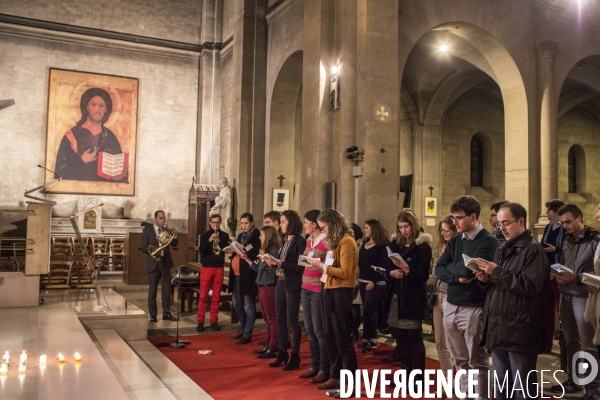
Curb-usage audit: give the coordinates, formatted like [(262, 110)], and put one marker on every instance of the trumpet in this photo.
[(164, 239), (215, 244)]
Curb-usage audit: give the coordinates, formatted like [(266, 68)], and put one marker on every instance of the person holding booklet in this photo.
[(446, 231), (466, 295), (408, 273), (514, 315), (578, 249), (288, 289), (315, 250), (242, 278), (270, 244), (372, 282), (341, 267)]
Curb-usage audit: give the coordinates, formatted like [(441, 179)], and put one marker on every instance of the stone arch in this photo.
[(283, 134), (482, 50)]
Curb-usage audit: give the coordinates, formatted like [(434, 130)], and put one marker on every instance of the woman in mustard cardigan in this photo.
[(340, 267)]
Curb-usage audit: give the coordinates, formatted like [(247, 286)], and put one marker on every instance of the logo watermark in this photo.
[(587, 368)]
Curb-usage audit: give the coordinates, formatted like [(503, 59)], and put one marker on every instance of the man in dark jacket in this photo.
[(514, 312), (577, 254), (466, 295), (158, 271), (212, 271)]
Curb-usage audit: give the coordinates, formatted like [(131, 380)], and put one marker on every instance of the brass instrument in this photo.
[(215, 244), (164, 239)]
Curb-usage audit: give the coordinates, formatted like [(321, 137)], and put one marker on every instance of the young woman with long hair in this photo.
[(340, 268), (270, 243), (288, 289), (409, 296), (373, 252), (242, 278), (311, 300), (446, 231)]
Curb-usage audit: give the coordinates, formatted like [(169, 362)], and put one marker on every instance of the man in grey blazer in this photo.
[(158, 271)]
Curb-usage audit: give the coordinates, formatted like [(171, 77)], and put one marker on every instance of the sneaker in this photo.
[(372, 344), (365, 347), (200, 327), (215, 327), (568, 387)]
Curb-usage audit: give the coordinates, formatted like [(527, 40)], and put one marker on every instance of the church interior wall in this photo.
[(579, 127), (176, 20), (226, 109), (166, 122), (474, 113), (228, 18)]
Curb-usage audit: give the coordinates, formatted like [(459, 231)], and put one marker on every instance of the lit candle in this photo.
[(6, 358), (23, 357), (60, 358), (4, 368), (43, 359), (22, 368), (77, 356)]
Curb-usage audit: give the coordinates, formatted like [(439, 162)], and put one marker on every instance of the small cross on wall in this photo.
[(281, 178), (430, 191)]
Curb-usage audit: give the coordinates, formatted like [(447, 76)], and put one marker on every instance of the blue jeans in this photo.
[(311, 308), (370, 300), (509, 365), (246, 317)]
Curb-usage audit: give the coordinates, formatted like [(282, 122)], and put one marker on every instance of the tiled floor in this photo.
[(112, 368)]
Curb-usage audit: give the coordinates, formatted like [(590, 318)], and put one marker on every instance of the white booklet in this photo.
[(236, 247), (395, 256), (305, 261), (471, 263), (590, 279), (560, 270)]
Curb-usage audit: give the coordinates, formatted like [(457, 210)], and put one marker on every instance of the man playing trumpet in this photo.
[(212, 244), (158, 265)]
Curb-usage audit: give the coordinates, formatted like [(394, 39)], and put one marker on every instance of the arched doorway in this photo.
[(284, 134)]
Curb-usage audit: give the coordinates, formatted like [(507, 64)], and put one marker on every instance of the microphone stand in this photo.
[(178, 344)]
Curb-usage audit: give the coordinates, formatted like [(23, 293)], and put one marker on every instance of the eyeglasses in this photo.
[(457, 217), (322, 227), (443, 231), (504, 224)]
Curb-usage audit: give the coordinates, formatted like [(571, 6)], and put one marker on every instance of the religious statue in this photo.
[(223, 205)]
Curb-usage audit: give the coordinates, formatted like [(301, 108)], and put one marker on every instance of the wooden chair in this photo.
[(61, 251), (118, 253), (61, 239), (81, 276), (100, 250), (59, 275)]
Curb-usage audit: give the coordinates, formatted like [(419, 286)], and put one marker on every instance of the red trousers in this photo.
[(207, 275), (266, 299)]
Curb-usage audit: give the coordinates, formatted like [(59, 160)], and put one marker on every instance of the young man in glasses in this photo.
[(578, 249), (466, 295), (514, 315)]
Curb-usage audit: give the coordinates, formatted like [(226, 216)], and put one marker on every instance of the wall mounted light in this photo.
[(334, 88)]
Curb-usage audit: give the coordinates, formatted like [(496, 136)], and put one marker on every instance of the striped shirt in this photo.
[(311, 278)]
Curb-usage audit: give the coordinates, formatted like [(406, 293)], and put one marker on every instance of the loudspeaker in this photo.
[(330, 195)]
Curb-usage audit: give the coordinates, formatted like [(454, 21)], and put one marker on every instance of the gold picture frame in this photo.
[(92, 133)]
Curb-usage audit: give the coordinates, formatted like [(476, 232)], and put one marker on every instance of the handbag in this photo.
[(432, 299)]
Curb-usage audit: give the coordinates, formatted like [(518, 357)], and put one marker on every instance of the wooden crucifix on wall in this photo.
[(281, 178)]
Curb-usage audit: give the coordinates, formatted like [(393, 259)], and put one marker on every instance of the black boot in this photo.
[(282, 358), (294, 363)]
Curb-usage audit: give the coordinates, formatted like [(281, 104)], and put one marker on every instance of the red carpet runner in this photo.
[(233, 372)]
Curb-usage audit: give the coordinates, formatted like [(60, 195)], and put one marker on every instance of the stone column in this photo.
[(378, 109), (248, 108), (546, 54), (209, 93), (317, 138)]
